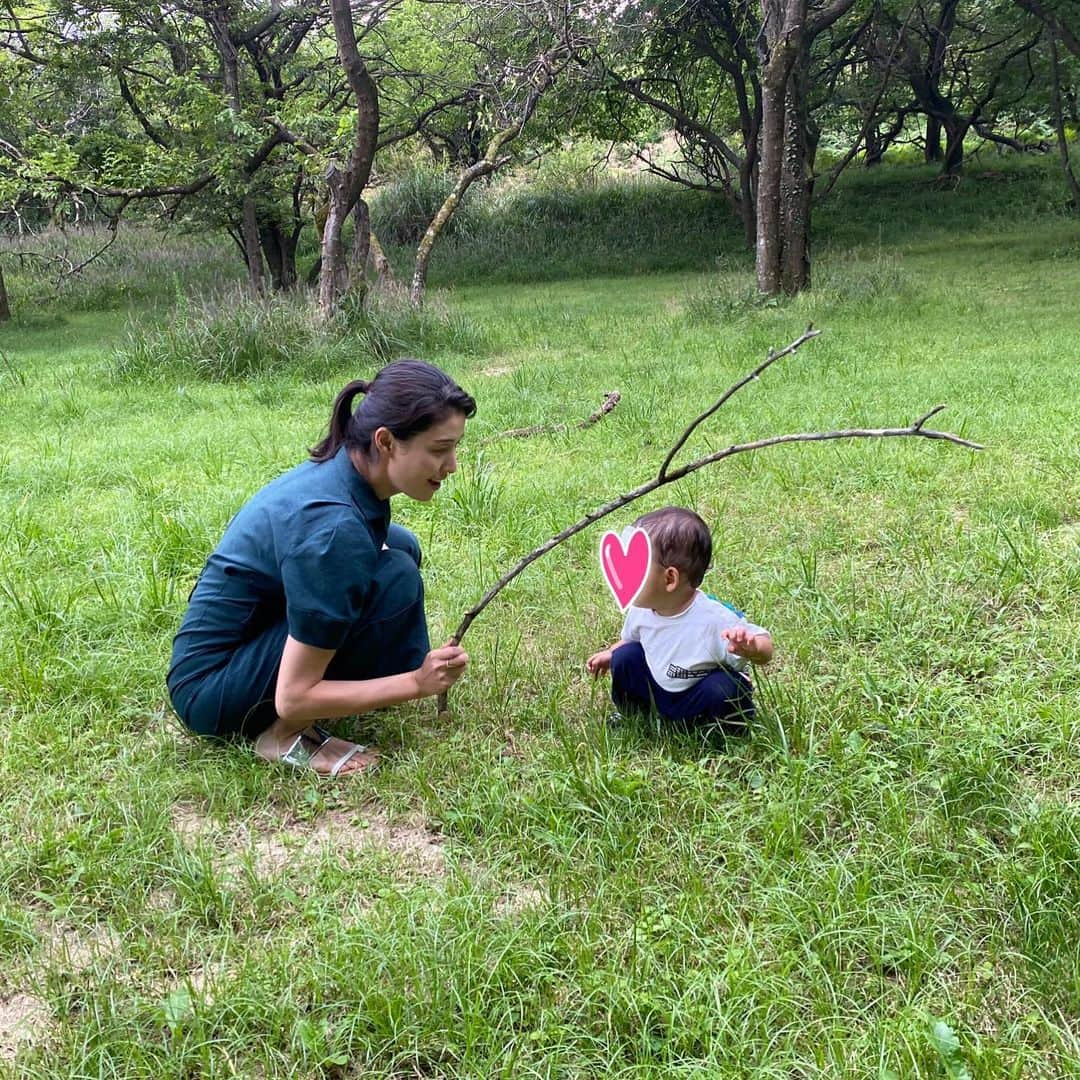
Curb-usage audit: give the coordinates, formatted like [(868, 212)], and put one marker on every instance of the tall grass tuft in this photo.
[(858, 277), (403, 209), (841, 278), (237, 336), (143, 264)]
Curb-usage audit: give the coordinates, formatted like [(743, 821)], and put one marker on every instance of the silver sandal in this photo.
[(308, 743)]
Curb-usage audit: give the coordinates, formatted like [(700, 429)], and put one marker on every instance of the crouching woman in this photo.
[(312, 605)]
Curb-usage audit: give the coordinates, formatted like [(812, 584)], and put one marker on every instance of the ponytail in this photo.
[(340, 415), (406, 397)]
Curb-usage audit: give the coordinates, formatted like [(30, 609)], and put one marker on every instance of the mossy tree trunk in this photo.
[(784, 24), (485, 166), (797, 178), (788, 141), (345, 186)]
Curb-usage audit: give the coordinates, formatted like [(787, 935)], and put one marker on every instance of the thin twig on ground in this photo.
[(611, 399)]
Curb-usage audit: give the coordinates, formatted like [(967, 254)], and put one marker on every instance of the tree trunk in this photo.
[(1059, 128), (796, 180), (933, 140), (875, 147), (747, 196), (334, 273), (345, 186), (252, 251), (279, 250), (5, 307), (379, 260), (767, 242), (784, 24), (878, 141), (361, 246), (955, 131), (289, 242)]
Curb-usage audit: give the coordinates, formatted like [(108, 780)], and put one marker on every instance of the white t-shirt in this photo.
[(682, 649)]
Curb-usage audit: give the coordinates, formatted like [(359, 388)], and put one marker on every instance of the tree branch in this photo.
[(1064, 34), (144, 121), (733, 390), (915, 430), (611, 399), (871, 113)]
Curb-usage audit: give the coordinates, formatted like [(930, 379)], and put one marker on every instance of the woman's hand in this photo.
[(442, 667)]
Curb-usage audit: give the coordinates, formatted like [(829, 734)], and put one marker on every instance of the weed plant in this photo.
[(882, 880), (234, 335)]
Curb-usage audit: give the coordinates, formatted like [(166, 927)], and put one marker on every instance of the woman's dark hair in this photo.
[(679, 538), (405, 397)]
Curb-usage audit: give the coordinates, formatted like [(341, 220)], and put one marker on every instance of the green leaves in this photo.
[(177, 1009), (945, 1041)]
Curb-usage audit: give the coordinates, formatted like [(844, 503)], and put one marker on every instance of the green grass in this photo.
[(883, 880), (515, 232), (144, 264)]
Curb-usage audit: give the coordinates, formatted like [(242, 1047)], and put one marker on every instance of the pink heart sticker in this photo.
[(625, 562)]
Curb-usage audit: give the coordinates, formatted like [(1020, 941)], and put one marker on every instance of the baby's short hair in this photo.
[(679, 538)]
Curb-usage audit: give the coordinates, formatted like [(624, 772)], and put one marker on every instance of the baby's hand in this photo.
[(740, 640), (598, 663)]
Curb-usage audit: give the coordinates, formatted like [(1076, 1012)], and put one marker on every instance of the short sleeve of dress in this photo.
[(327, 577)]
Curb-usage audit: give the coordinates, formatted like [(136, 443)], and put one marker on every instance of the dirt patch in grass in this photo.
[(77, 947), (1064, 536), (24, 1021), (517, 899), (343, 833)]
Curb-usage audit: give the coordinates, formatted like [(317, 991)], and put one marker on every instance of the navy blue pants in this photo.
[(237, 696), (723, 697)]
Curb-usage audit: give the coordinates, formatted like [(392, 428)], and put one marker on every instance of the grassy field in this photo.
[(882, 880)]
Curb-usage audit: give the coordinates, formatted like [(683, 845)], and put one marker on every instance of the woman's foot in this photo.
[(316, 749)]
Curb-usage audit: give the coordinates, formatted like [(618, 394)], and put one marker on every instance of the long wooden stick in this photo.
[(915, 430)]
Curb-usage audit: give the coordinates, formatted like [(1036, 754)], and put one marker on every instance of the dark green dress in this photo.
[(304, 557)]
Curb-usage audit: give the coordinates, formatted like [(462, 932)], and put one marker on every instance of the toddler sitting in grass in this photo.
[(681, 653)]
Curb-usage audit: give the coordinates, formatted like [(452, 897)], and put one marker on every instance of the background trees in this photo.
[(266, 119)]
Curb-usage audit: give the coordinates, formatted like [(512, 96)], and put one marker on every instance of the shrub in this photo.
[(403, 209), (237, 336)]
